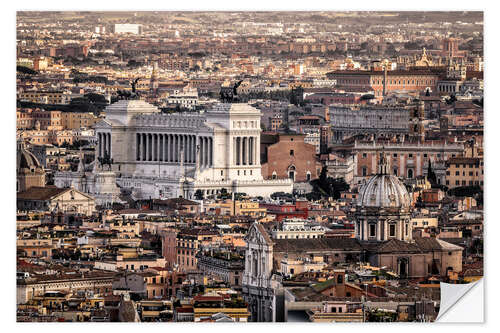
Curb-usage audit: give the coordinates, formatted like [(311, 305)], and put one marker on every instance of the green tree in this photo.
[(26, 70), (198, 194), (431, 176)]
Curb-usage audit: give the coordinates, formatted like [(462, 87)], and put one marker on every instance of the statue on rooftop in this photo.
[(230, 94), (127, 95)]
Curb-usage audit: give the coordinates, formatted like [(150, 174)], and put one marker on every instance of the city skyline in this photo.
[(238, 166)]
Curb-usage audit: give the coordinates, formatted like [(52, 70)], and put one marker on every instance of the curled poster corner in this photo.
[(461, 303)]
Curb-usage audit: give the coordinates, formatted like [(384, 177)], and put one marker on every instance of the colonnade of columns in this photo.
[(245, 150), (104, 144), (167, 148), (206, 151)]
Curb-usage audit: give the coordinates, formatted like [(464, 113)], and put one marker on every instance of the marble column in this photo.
[(240, 161), (138, 147), (186, 148), (103, 144), (250, 150), (207, 154), (157, 147), (202, 155), (211, 151), (194, 149), (150, 147), (178, 148), (154, 147), (204, 158), (257, 151), (191, 159), (164, 148), (99, 145), (234, 150), (162, 143), (244, 150), (144, 150), (169, 149)]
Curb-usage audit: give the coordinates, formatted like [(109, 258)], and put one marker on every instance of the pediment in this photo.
[(103, 124), (253, 236), (256, 236)]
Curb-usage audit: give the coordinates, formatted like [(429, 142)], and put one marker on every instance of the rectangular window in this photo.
[(372, 230), (392, 230)]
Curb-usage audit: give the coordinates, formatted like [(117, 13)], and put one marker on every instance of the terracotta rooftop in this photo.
[(316, 244), (41, 193)]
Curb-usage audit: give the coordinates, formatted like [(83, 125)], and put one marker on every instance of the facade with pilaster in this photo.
[(158, 155), (406, 159)]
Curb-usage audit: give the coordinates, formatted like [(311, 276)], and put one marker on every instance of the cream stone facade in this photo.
[(32, 287), (157, 155), (297, 229), (67, 200), (259, 285), (101, 184)]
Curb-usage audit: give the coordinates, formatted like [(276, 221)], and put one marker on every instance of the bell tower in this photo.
[(416, 124), (153, 83)]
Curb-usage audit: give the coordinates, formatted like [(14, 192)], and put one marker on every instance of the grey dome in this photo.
[(384, 190)]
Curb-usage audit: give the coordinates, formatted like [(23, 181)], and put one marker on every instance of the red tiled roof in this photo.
[(184, 309)]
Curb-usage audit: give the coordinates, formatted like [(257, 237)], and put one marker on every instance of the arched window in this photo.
[(410, 173), (308, 176), (291, 172), (274, 176)]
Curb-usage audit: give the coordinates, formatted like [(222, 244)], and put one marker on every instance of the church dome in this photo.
[(384, 190), (26, 159)]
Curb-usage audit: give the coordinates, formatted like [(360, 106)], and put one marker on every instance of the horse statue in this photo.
[(106, 160)]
